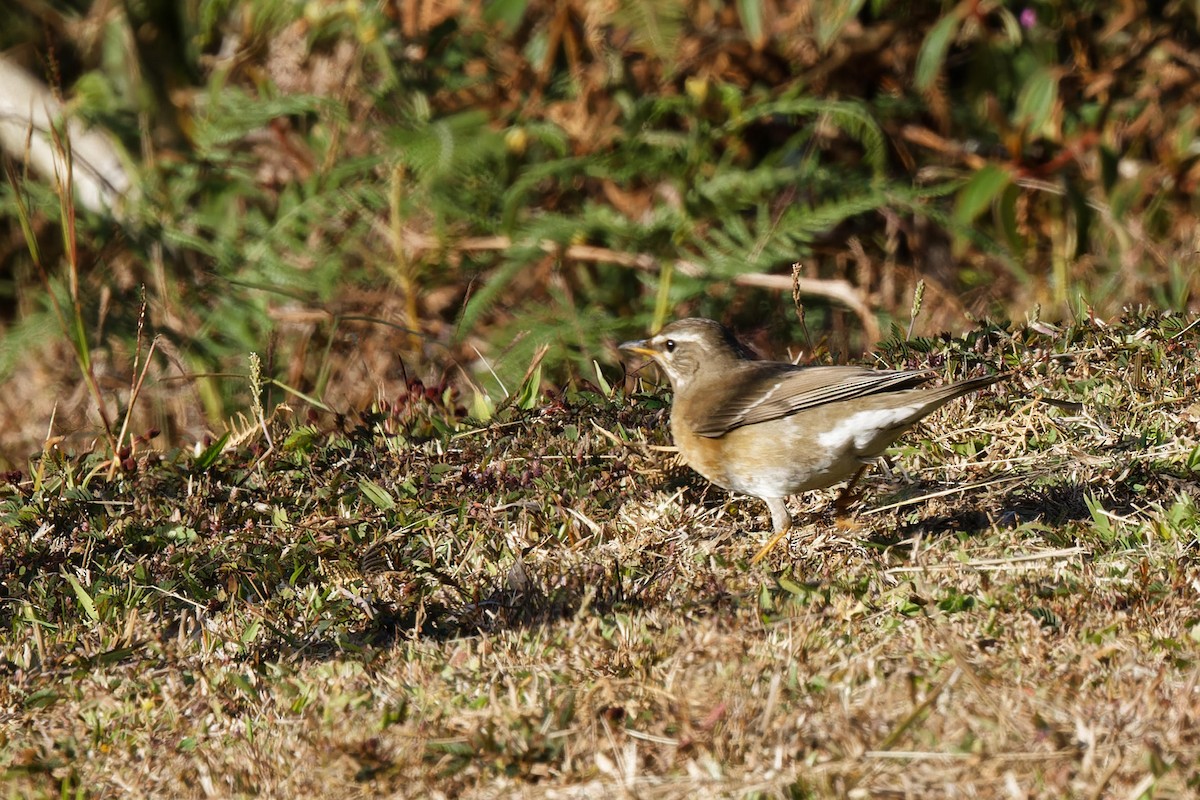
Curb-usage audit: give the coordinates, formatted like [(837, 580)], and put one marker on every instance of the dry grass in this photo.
[(547, 607)]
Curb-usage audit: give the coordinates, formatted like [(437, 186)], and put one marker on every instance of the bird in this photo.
[(772, 429)]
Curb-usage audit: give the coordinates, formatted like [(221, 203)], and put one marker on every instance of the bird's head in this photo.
[(688, 347)]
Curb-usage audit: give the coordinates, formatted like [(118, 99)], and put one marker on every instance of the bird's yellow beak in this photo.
[(638, 346)]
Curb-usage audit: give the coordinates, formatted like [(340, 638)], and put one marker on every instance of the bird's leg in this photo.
[(781, 520), (848, 494)]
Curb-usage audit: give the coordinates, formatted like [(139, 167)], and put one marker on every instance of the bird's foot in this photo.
[(781, 521), (841, 506), (766, 548), (848, 497)]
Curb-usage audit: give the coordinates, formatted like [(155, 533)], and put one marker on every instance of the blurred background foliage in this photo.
[(383, 197)]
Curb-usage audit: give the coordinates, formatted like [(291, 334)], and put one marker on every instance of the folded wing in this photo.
[(773, 390)]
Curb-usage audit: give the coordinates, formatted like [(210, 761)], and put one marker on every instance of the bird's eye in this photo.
[(669, 345)]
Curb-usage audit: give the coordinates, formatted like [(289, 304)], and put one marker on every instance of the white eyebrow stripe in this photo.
[(682, 336)]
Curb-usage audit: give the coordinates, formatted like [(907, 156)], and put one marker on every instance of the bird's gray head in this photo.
[(686, 347)]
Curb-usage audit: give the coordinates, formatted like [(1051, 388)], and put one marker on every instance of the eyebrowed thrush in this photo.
[(771, 429)]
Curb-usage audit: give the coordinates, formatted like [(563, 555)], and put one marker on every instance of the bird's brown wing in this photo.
[(770, 390)]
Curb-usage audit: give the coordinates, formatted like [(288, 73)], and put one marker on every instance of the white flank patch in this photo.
[(857, 431)]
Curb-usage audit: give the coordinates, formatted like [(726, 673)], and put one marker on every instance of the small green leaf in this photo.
[(934, 49), (178, 533), (379, 497), (1036, 102), (507, 13), (1006, 213), (78, 334), (765, 601), (243, 683), (302, 439), (751, 13), (1011, 25), (791, 587), (251, 632), (116, 655), (830, 19), (603, 385), (482, 407), (85, 599), (527, 398), (1101, 522), (211, 453), (980, 191), (42, 698), (1192, 463)]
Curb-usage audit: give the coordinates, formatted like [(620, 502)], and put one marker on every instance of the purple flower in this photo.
[(1028, 18)]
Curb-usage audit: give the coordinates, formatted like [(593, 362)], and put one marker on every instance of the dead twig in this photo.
[(839, 291)]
